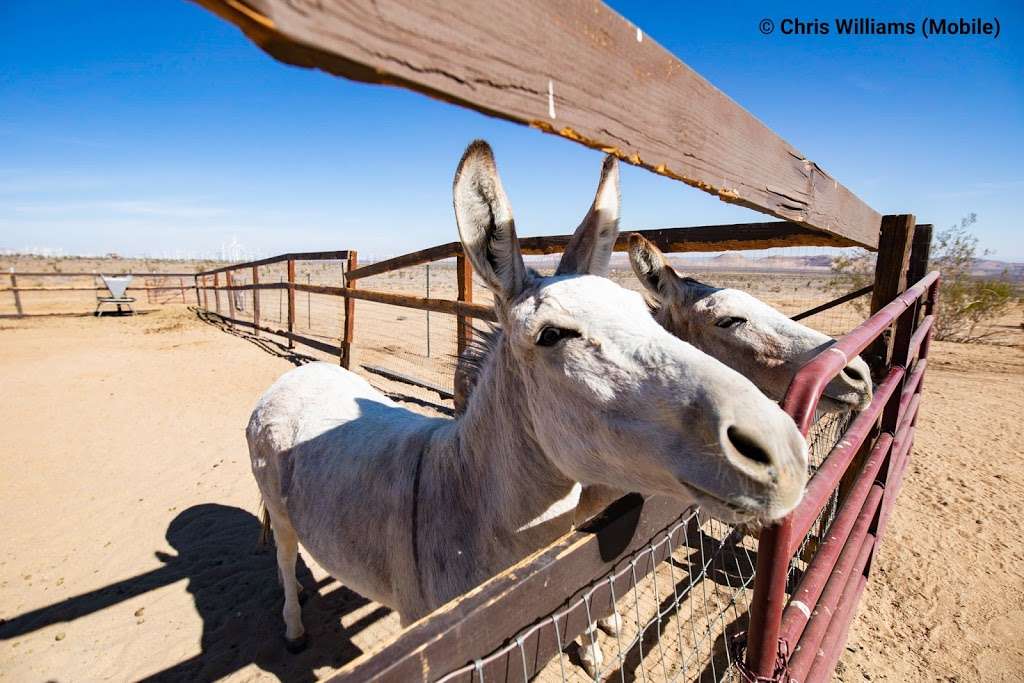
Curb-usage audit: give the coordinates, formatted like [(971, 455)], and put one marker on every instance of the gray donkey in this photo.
[(583, 387), (743, 332)]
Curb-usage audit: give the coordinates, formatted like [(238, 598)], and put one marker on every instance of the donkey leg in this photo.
[(589, 650), (287, 555), (611, 625)]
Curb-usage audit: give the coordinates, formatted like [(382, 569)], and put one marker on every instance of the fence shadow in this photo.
[(234, 586)]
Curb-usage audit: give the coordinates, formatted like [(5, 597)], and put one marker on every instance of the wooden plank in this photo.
[(477, 623), (348, 325), (575, 69), (416, 258), (291, 302), (704, 238)]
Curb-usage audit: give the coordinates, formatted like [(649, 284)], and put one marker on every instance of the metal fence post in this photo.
[(906, 324), (16, 293), (348, 325), (291, 303), (769, 599)]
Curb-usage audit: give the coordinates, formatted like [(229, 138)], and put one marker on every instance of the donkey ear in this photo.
[(486, 227), (651, 268), (590, 248)]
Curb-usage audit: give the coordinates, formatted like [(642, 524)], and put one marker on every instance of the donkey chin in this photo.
[(753, 511)]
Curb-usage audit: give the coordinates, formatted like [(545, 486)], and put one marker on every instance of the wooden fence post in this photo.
[(920, 254), (206, 294), (256, 300), (348, 325), (291, 303), (895, 238), (894, 243), (463, 324), (16, 293), (216, 291), (195, 285), (231, 296)]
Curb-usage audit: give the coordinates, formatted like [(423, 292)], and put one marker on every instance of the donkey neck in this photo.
[(494, 444)]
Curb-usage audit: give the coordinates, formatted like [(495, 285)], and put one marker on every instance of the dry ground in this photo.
[(126, 507)]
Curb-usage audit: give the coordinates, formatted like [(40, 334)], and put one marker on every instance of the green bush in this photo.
[(966, 303)]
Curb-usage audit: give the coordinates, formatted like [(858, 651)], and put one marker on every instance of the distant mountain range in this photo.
[(820, 263)]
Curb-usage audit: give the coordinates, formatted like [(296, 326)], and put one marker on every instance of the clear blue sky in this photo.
[(156, 128)]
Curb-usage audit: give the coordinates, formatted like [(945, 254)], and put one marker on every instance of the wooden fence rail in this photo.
[(575, 69)]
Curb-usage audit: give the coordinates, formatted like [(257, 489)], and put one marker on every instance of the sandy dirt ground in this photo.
[(127, 509)]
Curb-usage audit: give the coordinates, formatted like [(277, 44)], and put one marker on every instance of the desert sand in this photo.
[(128, 513)]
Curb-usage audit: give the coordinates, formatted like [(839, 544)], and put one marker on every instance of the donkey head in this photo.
[(743, 332), (609, 396)]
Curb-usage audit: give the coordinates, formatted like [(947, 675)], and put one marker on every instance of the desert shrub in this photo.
[(966, 303)]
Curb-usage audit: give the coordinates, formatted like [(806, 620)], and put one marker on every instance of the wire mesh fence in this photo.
[(680, 606), (43, 293)]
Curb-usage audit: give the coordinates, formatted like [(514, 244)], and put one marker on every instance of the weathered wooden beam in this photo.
[(575, 69), (416, 258)]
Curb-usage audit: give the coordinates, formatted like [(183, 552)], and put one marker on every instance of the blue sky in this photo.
[(156, 128)]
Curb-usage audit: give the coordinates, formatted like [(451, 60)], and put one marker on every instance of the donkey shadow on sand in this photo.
[(233, 582)]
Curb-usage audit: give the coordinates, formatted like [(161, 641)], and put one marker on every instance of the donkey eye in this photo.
[(550, 336), (729, 322)]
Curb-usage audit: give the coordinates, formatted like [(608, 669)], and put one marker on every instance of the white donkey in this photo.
[(583, 386), (743, 332)]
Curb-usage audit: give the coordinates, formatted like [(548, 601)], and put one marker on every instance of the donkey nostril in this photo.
[(853, 373), (748, 446)]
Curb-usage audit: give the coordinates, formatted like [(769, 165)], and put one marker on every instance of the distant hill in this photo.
[(815, 263)]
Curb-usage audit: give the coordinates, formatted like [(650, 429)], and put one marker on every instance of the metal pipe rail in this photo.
[(810, 621)]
